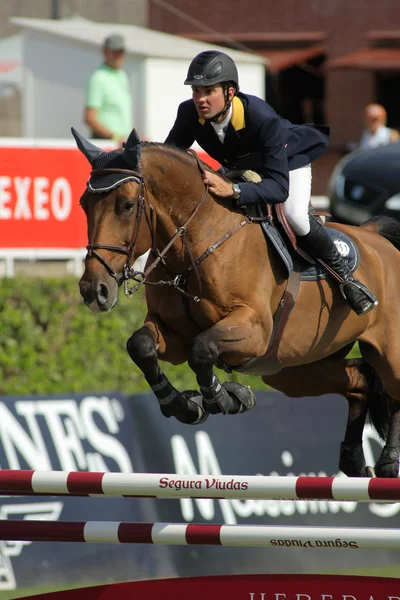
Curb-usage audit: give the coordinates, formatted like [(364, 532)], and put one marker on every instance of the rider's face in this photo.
[(209, 100)]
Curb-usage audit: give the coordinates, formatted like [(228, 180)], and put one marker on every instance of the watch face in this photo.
[(236, 191)]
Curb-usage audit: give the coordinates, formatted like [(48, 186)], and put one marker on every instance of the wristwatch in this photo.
[(236, 191)]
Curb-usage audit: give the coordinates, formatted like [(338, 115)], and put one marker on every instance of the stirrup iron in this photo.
[(371, 297)]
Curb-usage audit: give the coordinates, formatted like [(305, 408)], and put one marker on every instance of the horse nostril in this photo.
[(103, 293), (85, 292)]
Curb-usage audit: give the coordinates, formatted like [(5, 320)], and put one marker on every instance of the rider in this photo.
[(243, 132)]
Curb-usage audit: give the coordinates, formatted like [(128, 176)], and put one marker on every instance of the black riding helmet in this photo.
[(211, 67)]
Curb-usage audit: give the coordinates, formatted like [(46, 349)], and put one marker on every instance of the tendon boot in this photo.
[(318, 243)]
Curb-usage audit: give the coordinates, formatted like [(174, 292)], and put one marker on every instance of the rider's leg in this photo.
[(314, 239), (296, 207)]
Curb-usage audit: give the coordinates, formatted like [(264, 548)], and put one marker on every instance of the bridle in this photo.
[(129, 251), (128, 273)]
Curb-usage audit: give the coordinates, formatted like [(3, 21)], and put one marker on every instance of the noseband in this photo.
[(92, 248)]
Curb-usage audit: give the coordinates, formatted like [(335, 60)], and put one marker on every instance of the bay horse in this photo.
[(213, 286)]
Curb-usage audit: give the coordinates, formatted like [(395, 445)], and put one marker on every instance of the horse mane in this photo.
[(186, 157)]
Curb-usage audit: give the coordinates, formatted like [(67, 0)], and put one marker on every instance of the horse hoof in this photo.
[(242, 394), (388, 462), (196, 415), (370, 472)]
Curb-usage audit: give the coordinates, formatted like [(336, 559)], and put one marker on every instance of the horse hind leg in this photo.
[(335, 375), (351, 459), (186, 406), (366, 396), (388, 388)]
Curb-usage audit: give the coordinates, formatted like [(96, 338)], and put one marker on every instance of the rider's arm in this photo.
[(181, 134), (274, 187)]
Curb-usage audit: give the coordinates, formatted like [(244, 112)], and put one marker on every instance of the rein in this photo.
[(128, 273)]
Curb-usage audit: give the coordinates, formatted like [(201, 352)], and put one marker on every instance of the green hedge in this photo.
[(50, 343)]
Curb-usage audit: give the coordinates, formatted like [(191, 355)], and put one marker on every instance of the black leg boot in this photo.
[(318, 243)]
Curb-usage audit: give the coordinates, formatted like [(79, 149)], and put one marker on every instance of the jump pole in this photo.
[(182, 534), (156, 485)]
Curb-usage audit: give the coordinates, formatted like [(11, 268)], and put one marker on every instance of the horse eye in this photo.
[(129, 206)]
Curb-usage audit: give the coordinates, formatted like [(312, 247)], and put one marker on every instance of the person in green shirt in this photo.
[(108, 106)]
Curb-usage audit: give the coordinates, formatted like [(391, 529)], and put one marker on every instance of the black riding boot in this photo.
[(318, 243)]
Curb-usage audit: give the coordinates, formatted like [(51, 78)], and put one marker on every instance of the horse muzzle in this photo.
[(99, 296)]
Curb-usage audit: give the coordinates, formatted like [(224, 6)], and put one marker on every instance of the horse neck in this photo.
[(177, 191)]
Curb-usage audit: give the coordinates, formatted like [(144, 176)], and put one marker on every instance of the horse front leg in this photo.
[(143, 348), (235, 339)]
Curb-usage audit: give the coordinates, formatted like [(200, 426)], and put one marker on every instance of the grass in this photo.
[(371, 571), (22, 592)]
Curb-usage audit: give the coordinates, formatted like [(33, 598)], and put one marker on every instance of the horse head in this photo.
[(142, 197), (118, 220)]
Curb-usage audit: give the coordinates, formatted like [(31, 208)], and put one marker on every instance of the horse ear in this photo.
[(132, 150), (87, 148)]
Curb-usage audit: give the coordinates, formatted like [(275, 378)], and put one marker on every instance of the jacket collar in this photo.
[(237, 119)]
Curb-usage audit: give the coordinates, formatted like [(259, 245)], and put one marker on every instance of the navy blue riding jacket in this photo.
[(257, 138)]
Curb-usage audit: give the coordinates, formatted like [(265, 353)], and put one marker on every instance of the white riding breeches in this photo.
[(297, 204)]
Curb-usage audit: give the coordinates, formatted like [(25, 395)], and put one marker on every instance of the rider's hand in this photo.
[(217, 186)]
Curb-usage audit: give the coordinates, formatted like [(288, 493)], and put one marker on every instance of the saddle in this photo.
[(278, 231), (275, 212)]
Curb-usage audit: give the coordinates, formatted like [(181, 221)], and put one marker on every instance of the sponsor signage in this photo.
[(40, 188), (39, 197), (242, 587), (207, 484), (115, 433), (79, 433)]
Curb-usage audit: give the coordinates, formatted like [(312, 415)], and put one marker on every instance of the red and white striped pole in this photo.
[(156, 485), (180, 534)]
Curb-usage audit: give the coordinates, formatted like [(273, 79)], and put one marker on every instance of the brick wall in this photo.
[(345, 24)]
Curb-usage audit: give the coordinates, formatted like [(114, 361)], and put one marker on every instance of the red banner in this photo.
[(244, 587), (39, 197)]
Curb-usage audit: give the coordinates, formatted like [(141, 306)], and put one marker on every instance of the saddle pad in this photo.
[(347, 249), (273, 236), (311, 272)]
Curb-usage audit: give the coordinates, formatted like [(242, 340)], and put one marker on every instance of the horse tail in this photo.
[(387, 227), (378, 401)]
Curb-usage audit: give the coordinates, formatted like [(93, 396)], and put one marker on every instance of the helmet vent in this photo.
[(215, 70)]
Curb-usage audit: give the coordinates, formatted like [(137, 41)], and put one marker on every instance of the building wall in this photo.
[(10, 115), (128, 12), (131, 12)]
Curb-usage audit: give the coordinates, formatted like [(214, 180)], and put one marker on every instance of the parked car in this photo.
[(366, 183)]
